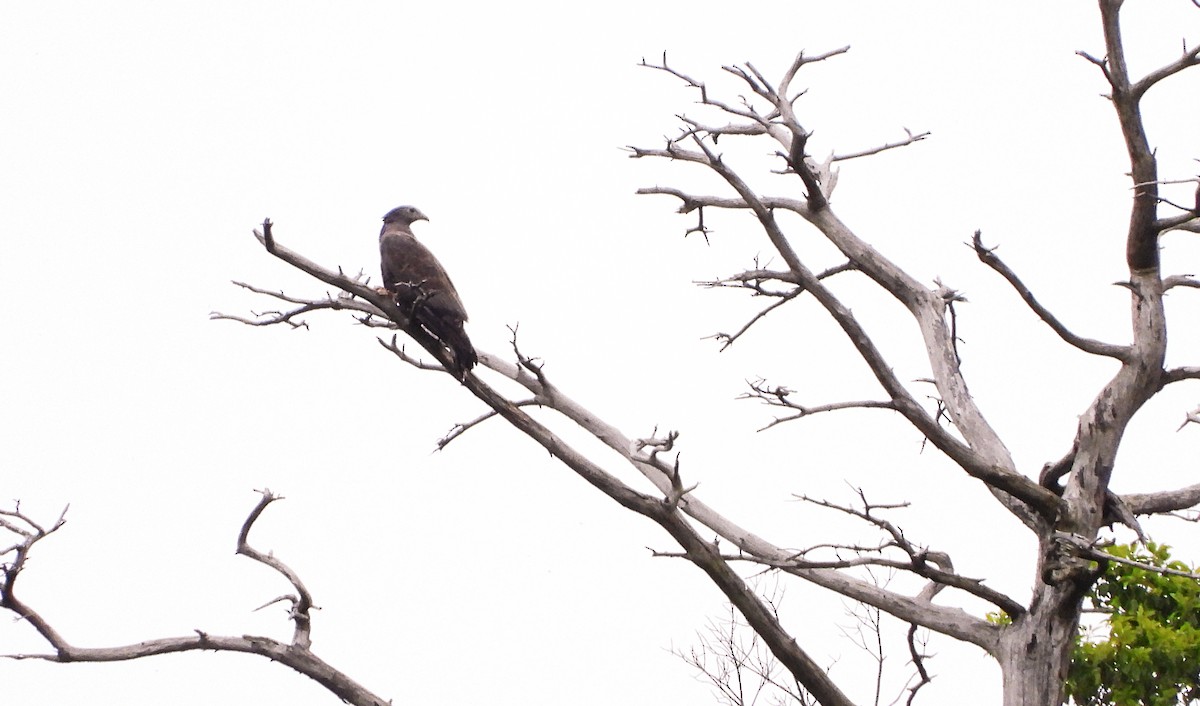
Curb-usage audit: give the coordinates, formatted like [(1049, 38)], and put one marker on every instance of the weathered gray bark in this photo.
[(296, 654), (1035, 651)]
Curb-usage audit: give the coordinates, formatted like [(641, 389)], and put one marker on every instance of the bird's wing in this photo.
[(407, 264)]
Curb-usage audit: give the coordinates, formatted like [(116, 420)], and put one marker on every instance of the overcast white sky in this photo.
[(141, 142)]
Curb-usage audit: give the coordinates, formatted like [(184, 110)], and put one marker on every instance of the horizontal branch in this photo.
[(780, 396), (1180, 281), (672, 151), (1190, 224), (910, 139), (935, 566), (344, 302), (1185, 372), (1084, 548), (302, 661), (917, 567), (691, 201), (754, 279), (743, 129), (1163, 501)]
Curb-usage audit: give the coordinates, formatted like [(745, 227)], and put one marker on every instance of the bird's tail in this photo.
[(464, 353), (450, 332)]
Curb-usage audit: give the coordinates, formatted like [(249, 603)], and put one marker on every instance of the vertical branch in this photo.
[(29, 533), (1102, 426), (301, 602), (1141, 248)]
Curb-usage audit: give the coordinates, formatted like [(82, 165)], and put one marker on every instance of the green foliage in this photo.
[(1150, 655)]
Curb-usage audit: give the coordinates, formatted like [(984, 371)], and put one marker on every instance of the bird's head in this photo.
[(404, 215)]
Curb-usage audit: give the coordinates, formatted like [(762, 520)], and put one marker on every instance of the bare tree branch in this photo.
[(302, 601), (951, 621), (672, 151), (1190, 224), (1186, 372), (985, 457), (401, 353), (912, 138), (753, 280), (28, 533), (996, 469), (737, 664), (1089, 549), (728, 339), (1163, 501), (692, 201), (938, 618), (663, 512), (1141, 374), (705, 99), (989, 257), (801, 60), (793, 136), (1188, 59), (778, 396), (296, 655), (918, 660), (1193, 417), (462, 427), (343, 302), (935, 566), (1141, 250), (1180, 281)]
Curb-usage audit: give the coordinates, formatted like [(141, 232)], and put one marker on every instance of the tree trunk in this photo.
[(1035, 651)]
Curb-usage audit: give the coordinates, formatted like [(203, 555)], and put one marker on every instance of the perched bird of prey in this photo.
[(421, 287)]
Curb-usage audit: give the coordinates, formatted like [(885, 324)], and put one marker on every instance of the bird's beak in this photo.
[(422, 216)]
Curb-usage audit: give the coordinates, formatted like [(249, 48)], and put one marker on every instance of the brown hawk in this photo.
[(421, 287)]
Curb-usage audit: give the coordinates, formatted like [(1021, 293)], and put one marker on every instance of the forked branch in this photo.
[(781, 396), (296, 654), (301, 601), (983, 455)]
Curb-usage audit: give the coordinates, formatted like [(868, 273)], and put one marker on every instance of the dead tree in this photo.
[(1065, 507)]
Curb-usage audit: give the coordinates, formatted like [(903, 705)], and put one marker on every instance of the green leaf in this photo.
[(1149, 654)]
